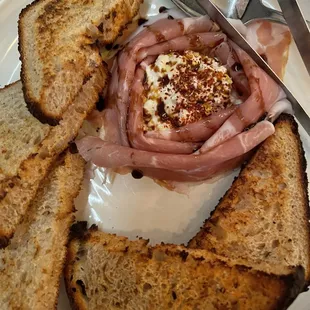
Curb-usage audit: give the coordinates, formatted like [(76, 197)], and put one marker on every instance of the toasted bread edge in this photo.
[(284, 118), (293, 283), (32, 103)]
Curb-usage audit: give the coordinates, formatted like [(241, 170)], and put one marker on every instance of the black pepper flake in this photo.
[(170, 17), (165, 80), (137, 174), (142, 21), (116, 46), (161, 111), (163, 9)]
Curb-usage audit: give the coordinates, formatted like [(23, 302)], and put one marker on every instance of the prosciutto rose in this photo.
[(184, 103)]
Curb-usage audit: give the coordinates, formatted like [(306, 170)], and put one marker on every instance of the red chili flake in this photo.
[(190, 84)]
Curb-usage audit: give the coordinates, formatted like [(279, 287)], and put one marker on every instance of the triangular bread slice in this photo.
[(264, 216), (28, 148), (31, 265), (105, 271), (59, 52)]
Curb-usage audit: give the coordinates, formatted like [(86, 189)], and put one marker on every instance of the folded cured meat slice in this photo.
[(264, 94), (195, 151), (135, 120), (159, 32), (109, 155), (194, 132), (135, 116)]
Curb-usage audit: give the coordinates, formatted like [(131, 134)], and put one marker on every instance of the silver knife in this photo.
[(231, 8), (299, 28), (217, 16)]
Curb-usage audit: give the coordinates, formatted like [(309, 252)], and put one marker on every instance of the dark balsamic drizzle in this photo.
[(100, 104), (163, 9), (142, 21), (170, 17), (137, 174), (237, 67)]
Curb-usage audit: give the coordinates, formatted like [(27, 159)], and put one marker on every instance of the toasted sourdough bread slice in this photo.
[(20, 133), (105, 271), (31, 265), (19, 183), (58, 51), (264, 216)]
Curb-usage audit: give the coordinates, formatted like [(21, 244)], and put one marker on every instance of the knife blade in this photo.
[(299, 29), (190, 7), (231, 8), (241, 7), (217, 16)]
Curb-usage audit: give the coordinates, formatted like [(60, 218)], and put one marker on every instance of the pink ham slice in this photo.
[(228, 57), (264, 94), (161, 31), (135, 119), (135, 125), (170, 154), (105, 154), (194, 132), (193, 42)]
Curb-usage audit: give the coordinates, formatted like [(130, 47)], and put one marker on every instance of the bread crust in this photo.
[(228, 201), (49, 217), (75, 71), (84, 241), (15, 201)]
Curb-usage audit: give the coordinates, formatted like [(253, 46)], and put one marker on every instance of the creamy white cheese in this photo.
[(175, 66)]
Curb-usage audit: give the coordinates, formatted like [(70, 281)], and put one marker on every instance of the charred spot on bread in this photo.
[(174, 295), (36, 111), (78, 230), (3, 193), (109, 46), (73, 148), (184, 255), (81, 284), (4, 241)]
